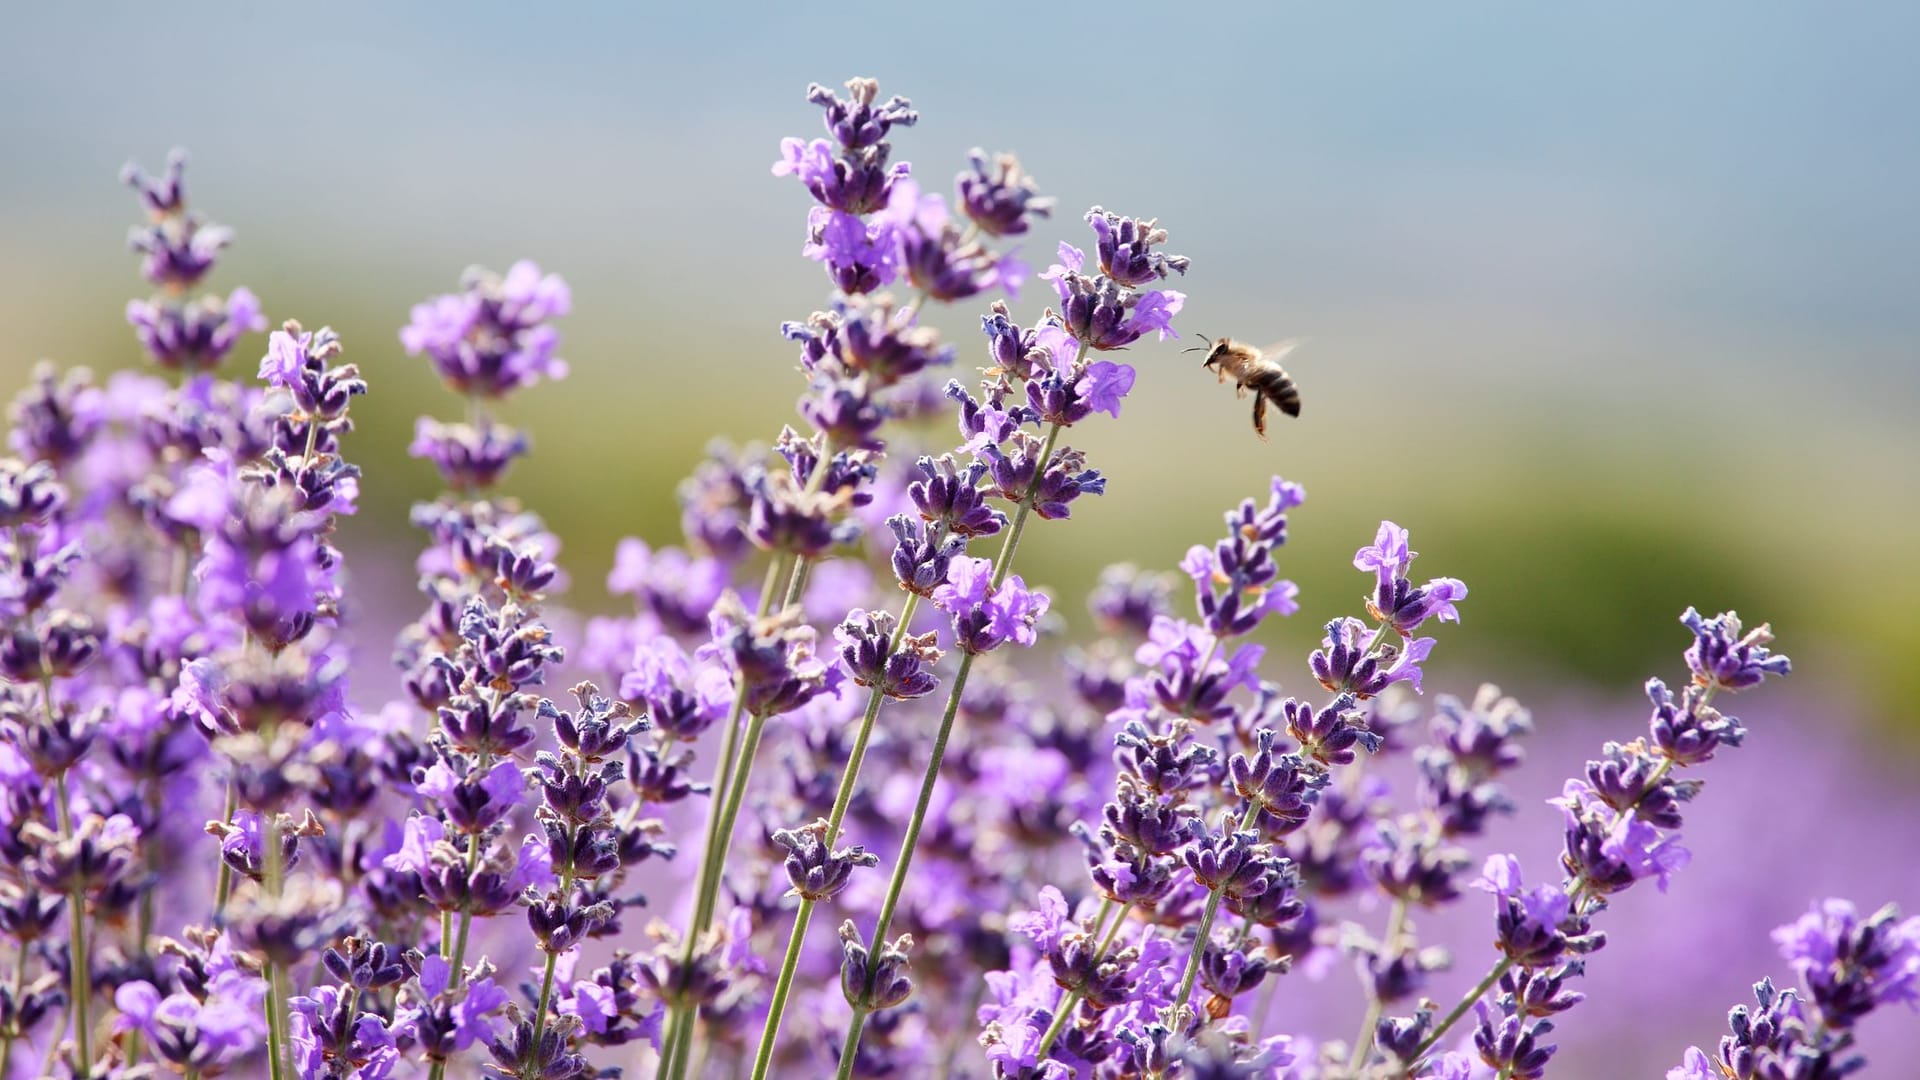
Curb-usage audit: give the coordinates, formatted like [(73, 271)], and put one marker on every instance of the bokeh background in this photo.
[(1617, 311)]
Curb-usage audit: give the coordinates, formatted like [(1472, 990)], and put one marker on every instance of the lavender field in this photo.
[(540, 576)]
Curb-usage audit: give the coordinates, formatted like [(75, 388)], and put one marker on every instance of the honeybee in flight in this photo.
[(1254, 369)]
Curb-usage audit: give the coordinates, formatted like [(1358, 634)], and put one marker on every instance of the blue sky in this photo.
[(1710, 180)]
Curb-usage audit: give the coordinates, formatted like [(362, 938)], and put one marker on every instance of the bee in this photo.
[(1254, 369)]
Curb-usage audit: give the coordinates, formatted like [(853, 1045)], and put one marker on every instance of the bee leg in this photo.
[(1260, 416)]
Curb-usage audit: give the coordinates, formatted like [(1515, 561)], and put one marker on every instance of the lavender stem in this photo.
[(79, 965), (714, 855), (1363, 1040), (1067, 1004), (1205, 934), (842, 799), (1002, 566)]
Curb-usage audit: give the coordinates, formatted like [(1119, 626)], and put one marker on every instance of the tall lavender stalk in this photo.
[(989, 606), (871, 226)]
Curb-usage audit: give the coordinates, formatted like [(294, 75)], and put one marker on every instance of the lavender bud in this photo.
[(56, 417), (874, 983), (866, 651), (1155, 827), (493, 337), (856, 122), (29, 493), (950, 498), (815, 871), (1282, 785), (1129, 600), (1102, 981), (999, 199), (1330, 734), (1722, 657), (1126, 249), (1543, 991), (1851, 965), (921, 557), (1164, 763), (1513, 1044), (1689, 731), (1415, 864), (470, 457)]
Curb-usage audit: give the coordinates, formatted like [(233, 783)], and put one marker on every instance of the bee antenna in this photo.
[(1197, 348)]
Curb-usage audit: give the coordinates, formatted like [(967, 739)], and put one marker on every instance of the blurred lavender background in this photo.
[(1616, 311), (1803, 810)]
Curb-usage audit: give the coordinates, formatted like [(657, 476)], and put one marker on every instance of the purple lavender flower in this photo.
[(1851, 965), (860, 257), (195, 336), (1530, 920), (179, 247), (1126, 249), (1610, 849), (57, 417), (951, 497), (770, 659), (493, 337), (999, 198), (1723, 657), (868, 653), (815, 870), (1102, 313), (858, 179), (1126, 598), (470, 457), (985, 616)]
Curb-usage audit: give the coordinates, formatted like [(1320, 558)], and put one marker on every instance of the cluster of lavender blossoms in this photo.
[(217, 858)]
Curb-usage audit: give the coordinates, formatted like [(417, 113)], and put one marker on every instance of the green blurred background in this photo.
[(1615, 311)]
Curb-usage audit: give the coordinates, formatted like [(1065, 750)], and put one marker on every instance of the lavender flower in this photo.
[(1852, 965), (1000, 199), (494, 336), (986, 616)]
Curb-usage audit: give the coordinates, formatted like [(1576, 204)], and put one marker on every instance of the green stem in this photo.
[(1363, 1042), (1205, 935), (1002, 566), (1067, 1004), (736, 795), (763, 1057), (546, 996), (681, 1048), (277, 1036), (850, 1047), (458, 960), (717, 861), (708, 882), (669, 1036), (223, 888), (842, 799), (273, 1022), (803, 564), (546, 981), (79, 964), (1466, 1003), (802, 570)]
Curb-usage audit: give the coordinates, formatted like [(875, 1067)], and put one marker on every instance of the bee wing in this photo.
[(1278, 351)]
